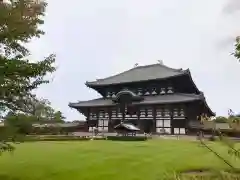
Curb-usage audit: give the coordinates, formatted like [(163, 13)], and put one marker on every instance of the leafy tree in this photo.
[(221, 119), (19, 75), (58, 117), (22, 123), (19, 22), (39, 108), (42, 110), (237, 48), (234, 123)]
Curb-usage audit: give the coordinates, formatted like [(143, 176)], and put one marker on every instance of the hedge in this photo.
[(127, 138), (58, 138), (79, 138)]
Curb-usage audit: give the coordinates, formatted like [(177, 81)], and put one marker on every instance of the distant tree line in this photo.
[(39, 112), (229, 119)]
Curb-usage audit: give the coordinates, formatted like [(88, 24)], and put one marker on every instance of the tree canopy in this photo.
[(19, 75), (237, 48)]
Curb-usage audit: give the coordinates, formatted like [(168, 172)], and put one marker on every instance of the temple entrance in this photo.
[(146, 125)]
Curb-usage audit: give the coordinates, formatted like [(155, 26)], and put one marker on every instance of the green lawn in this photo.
[(105, 160)]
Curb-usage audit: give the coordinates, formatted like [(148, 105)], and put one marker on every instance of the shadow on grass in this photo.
[(8, 177)]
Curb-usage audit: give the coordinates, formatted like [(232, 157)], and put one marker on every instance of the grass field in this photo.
[(103, 160)]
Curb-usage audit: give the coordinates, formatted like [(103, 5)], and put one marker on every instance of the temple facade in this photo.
[(155, 98)]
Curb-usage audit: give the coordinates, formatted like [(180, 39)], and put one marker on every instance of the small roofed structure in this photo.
[(126, 129)]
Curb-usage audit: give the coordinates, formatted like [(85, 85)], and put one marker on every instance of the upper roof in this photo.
[(139, 73)]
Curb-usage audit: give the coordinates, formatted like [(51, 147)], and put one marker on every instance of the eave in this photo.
[(148, 100), (96, 86)]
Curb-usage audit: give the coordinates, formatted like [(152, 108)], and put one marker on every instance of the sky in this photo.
[(95, 39)]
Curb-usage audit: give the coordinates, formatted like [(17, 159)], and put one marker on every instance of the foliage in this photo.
[(42, 110), (234, 123), (19, 22), (221, 119), (237, 48), (127, 138), (33, 138), (19, 75), (21, 122), (58, 116), (41, 113)]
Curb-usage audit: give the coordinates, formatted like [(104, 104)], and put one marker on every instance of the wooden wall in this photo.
[(152, 118)]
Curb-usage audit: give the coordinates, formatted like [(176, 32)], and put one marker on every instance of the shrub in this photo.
[(58, 138), (127, 138), (221, 119)]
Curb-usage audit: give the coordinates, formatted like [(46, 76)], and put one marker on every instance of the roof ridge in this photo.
[(114, 75), (138, 67), (158, 64)]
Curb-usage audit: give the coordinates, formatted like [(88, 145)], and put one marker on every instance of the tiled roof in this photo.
[(126, 126), (58, 125), (139, 73), (159, 99)]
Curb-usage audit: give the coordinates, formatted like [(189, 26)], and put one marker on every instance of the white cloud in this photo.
[(232, 6)]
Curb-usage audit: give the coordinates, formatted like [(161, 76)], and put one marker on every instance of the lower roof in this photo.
[(129, 127), (158, 99)]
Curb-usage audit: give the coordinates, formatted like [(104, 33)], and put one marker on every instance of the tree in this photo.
[(58, 117), (237, 48), (234, 124), (22, 123), (19, 22), (42, 110), (19, 75), (221, 119)]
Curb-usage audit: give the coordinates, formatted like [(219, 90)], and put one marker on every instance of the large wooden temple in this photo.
[(155, 98)]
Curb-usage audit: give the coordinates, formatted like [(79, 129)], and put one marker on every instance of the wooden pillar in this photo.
[(110, 129), (171, 120), (154, 119)]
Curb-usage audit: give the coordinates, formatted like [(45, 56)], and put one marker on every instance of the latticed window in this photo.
[(103, 124), (179, 131), (159, 123), (163, 126), (167, 123)]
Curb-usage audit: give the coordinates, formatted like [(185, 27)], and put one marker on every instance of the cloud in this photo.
[(232, 6)]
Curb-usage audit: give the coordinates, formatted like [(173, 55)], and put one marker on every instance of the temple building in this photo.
[(155, 98)]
